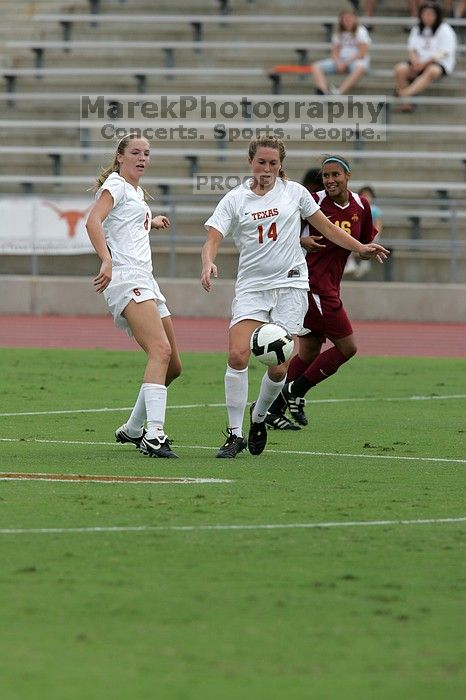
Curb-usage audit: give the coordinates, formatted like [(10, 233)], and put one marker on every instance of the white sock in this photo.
[(135, 423), (236, 396), (268, 393), (155, 396)]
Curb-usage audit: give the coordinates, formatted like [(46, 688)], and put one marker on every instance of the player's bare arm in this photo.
[(208, 255), (336, 235), (97, 215)]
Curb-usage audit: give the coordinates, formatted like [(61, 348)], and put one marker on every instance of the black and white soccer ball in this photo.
[(271, 344)]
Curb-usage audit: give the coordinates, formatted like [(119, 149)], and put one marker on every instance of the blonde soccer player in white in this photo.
[(264, 217), (118, 226)]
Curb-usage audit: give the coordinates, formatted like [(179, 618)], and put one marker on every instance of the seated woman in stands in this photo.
[(431, 49), (349, 54)]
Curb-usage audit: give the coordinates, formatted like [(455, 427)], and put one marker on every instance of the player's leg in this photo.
[(288, 311), (236, 376), (311, 339), (236, 385), (294, 400), (309, 347), (174, 366), (133, 430), (271, 385), (249, 310), (118, 295), (337, 327), (323, 367), (149, 332)]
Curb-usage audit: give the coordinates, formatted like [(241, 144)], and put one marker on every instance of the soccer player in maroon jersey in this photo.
[(326, 316)]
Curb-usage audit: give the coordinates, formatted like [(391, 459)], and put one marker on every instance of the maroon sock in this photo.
[(323, 366), (296, 368)]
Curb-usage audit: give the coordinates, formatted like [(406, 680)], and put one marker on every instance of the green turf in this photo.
[(363, 613)]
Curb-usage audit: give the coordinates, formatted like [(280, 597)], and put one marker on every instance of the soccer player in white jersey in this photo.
[(264, 218), (118, 226)]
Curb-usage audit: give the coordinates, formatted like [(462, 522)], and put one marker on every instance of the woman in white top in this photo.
[(349, 54), (264, 217), (118, 226), (431, 50)]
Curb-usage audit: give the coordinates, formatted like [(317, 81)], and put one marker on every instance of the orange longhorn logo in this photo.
[(71, 216)]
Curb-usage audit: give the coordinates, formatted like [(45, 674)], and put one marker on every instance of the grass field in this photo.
[(190, 591)]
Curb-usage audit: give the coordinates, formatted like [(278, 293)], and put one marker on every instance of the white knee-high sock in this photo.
[(155, 396), (236, 396), (135, 422), (268, 393)]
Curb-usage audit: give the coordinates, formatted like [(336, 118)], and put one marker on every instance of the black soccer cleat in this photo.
[(257, 438), (278, 421), (157, 448), (232, 446), (122, 436), (295, 405)]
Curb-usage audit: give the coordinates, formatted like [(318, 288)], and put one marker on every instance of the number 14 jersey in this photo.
[(266, 231)]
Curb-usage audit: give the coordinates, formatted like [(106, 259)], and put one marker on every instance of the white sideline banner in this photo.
[(44, 226)]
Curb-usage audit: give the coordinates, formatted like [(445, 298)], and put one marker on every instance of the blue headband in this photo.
[(330, 159)]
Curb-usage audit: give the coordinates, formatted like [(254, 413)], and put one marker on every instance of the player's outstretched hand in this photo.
[(208, 272), (104, 277), (374, 251), (311, 244), (159, 222)]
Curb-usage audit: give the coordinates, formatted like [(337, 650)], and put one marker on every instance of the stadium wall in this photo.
[(394, 301)]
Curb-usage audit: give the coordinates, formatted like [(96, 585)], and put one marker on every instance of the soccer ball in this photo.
[(271, 344)]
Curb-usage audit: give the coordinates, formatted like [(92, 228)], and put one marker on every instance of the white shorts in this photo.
[(285, 306), (130, 284)]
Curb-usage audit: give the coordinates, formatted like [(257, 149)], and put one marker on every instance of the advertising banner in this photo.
[(44, 226)]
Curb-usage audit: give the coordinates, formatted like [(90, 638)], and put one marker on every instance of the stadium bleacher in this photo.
[(52, 54)]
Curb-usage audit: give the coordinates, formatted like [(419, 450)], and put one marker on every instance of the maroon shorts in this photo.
[(326, 318)]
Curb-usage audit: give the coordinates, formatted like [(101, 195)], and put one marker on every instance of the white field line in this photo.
[(104, 410), (91, 479), (281, 452), (222, 405), (193, 528)]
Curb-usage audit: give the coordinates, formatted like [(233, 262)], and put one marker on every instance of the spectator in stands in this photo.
[(356, 266), (118, 226), (264, 217), (349, 55), (326, 316), (431, 49)]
